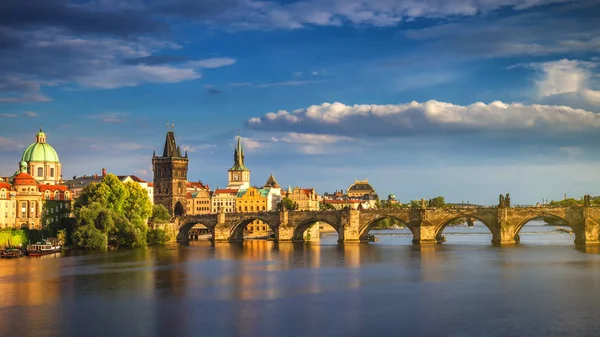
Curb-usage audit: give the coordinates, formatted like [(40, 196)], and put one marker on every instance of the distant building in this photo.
[(360, 195), (77, 184), (42, 161), (28, 201), (170, 177), (273, 193), (253, 200), (198, 198), (239, 174), (306, 199), (223, 199)]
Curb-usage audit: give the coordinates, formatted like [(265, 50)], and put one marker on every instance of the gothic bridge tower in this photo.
[(170, 176)]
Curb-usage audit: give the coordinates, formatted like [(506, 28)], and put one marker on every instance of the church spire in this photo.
[(238, 156), (171, 148)]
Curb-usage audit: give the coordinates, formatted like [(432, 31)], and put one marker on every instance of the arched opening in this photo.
[(40, 172), (199, 232), (388, 229), (253, 228), (194, 231), (547, 229), (465, 229), (316, 229), (179, 209)]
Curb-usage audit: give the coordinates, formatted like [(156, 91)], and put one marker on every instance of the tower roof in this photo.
[(238, 157), (40, 151), (171, 148), (271, 182)]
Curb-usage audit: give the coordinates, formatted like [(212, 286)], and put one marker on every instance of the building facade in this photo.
[(253, 200), (170, 177), (42, 161), (306, 199), (198, 198), (223, 199)]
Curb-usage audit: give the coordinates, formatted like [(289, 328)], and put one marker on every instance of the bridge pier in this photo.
[(285, 234), (222, 233)]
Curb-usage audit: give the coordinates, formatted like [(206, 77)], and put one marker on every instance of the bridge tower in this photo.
[(239, 174), (170, 176)]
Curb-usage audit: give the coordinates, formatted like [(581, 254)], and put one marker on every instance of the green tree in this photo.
[(415, 204), (157, 237), (89, 237), (326, 207), (286, 203), (136, 203), (570, 202), (438, 202), (160, 214)]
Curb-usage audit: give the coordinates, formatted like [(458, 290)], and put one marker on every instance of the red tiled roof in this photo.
[(150, 184), (62, 188), (7, 187), (24, 178), (196, 185)]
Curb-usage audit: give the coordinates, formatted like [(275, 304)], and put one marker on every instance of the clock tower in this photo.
[(239, 175)]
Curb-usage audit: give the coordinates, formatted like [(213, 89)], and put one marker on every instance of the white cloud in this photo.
[(130, 76), (571, 77), (398, 119), (308, 138), (8, 115), (196, 148), (285, 84), (212, 63), (30, 113), (110, 117)]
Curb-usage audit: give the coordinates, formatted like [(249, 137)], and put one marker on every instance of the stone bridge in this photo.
[(426, 224)]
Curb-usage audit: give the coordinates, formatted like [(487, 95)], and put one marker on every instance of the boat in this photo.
[(11, 253), (43, 248)]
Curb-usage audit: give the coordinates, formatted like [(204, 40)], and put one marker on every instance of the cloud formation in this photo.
[(399, 120), (567, 77)]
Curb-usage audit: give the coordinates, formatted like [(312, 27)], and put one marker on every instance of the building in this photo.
[(223, 199), (306, 199), (42, 161), (170, 177), (252, 200), (198, 198), (239, 174), (24, 202), (273, 193), (360, 189)]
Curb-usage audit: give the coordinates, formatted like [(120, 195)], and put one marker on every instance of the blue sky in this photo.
[(461, 98)]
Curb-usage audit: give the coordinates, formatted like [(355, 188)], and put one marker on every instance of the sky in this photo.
[(461, 98)]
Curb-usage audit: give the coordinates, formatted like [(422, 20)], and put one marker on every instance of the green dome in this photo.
[(40, 151)]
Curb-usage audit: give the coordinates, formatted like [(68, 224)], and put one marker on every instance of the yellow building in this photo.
[(306, 199), (253, 200), (198, 198)]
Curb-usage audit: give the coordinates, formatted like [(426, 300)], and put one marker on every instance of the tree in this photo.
[(160, 214), (570, 202), (286, 203), (326, 207), (115, 211), (438, 202)]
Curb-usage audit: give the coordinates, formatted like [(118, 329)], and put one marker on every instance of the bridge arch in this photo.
[(368, 224), (441, 226), (185, 227), (237, 230), (577, 231), (299, 230)]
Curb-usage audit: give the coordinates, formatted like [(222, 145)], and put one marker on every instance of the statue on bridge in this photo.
[(587, 200), (504, 201)]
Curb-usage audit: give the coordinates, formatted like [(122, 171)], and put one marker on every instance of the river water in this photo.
[(464, 287)]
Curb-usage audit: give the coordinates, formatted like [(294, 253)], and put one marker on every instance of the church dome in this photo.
[(391, 196), (40, 151), (24, 178)]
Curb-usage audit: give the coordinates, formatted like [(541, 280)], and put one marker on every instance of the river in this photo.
[(464, 287)]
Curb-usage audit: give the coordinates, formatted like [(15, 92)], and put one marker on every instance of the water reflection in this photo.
[(314, 288)]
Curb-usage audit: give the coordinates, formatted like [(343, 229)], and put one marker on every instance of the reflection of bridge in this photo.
[(425, 224)]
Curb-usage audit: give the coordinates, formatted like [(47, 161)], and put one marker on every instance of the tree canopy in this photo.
[(112, 212)]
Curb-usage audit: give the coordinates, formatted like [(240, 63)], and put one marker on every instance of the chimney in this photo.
[(103, 172)]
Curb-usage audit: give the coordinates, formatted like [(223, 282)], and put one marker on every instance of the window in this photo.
[(52, 172), (40, 172), (47, 194), (23, 210)]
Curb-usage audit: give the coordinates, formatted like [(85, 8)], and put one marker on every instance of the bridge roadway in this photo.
[(426, 224)]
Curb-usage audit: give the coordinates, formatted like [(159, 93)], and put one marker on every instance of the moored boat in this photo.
[(11, 253), (43, 248)]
